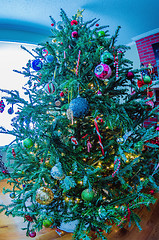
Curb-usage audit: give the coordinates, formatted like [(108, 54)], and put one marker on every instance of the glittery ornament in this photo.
[(57, 103), (37, 64), (79, 106), (103, 71), (87, 195), (44, 196), (105, 56), (28, 218), (49, 88), (56, 172)]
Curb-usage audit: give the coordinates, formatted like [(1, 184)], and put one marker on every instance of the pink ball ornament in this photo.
[(32, 234), (103, 71), (74, 34)]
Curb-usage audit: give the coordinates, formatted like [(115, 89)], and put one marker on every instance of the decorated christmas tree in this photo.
[(81, 154)]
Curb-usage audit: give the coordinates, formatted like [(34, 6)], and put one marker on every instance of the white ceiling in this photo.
[(21, 16)]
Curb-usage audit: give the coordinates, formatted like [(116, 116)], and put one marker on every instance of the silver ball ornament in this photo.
[(57, 173)]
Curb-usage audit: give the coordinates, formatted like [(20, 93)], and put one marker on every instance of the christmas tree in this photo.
[(81, 154)]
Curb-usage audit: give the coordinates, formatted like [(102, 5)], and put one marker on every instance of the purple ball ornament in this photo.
[(130, 75), (103, 71)]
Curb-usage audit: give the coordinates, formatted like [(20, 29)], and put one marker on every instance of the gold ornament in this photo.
[(44, 196), (79, 14)]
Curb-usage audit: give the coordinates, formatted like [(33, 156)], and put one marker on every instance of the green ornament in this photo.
[(105, 56), (87, 195), (47, 223), (139, 145), (28, 143), (146, 79), (101, 33)]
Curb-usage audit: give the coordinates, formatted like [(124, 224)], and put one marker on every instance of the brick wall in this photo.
[(145, 50)]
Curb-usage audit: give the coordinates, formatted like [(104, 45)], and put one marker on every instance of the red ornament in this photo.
[(74, 34), (130, 75), (152, 192), (32, 234), (4, 172), (13, 153), (74, 22), (61, 94), (52, 24), (28, 218), (97, 25)]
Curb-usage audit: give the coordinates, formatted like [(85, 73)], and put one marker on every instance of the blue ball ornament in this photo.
[(37, 64), (10, 110), (49, 58), (79, 107)]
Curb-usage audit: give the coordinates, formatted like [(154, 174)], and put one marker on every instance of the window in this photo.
[(12, 57)]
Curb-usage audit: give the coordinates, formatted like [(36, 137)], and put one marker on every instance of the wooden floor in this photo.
[(10, 228)]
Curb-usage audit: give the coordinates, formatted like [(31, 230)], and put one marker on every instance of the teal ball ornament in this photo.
[(79, 107), (49, 58), (105, 57), (87, 195), (101, 33), (37, 64), (27, 143), (146, 79)]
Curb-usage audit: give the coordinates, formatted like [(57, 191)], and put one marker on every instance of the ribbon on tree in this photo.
[(97, 130), (117, 161), (79, 54)]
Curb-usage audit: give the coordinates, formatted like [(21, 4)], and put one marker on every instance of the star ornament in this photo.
[(79, 14)]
